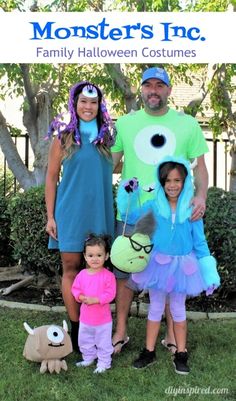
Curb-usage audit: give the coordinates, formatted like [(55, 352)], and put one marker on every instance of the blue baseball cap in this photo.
[(157, 73)]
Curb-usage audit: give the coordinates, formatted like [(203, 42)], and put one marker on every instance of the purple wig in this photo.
[(105, 124)]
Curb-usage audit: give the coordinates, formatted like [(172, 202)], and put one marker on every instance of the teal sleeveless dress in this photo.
[(84, 200)]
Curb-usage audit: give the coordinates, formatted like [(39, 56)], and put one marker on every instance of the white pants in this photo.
[(95, 342)]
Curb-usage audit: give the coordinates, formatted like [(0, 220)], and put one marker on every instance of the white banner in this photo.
[(117, 37)]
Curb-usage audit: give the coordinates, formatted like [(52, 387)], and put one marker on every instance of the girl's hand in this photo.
[(131, 185), (90, 300), (51, 228)]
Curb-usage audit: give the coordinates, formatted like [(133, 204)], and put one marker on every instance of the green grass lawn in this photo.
[(211, 346)]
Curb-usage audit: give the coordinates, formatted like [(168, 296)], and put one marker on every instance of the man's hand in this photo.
[(199, 208)]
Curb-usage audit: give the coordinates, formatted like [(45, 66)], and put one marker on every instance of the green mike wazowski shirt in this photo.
[(146, 139)]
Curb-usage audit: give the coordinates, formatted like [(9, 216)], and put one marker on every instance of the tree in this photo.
[(218, 84), (44, 90), (44, 87), (36, 110)]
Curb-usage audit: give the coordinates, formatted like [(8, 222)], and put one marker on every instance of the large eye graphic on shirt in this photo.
[(153, 143)]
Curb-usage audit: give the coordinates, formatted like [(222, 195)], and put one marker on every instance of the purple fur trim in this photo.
[(106, 132)]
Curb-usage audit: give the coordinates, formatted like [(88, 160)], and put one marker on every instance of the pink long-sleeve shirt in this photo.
[(101, 285)]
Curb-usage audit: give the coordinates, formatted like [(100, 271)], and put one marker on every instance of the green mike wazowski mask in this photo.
[(131, 254)]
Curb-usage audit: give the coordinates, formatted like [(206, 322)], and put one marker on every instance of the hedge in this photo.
[(28, 221), (220, 229)]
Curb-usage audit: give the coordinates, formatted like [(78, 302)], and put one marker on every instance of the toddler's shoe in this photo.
[(180, 363), (84, 364), (100, 370)]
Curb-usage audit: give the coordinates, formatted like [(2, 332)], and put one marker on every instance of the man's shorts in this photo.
[(119, 230)]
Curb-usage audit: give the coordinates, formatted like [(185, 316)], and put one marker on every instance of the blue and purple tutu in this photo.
[(179, 274)]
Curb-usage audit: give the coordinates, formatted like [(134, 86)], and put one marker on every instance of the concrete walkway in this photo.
[(138, 309)]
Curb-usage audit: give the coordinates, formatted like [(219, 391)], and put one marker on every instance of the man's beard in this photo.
[(154, 107)]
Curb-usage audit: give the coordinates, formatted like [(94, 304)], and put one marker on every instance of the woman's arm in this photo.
[(53, 171)]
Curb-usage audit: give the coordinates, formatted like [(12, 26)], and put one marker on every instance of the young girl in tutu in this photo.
[(180, 263)]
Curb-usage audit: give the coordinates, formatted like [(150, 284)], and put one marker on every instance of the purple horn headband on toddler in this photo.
[(106, 131)]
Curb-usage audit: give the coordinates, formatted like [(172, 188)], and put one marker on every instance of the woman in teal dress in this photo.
[(82, 202)]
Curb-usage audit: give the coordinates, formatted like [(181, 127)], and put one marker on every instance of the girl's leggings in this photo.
[(157, 305), (95, 343)]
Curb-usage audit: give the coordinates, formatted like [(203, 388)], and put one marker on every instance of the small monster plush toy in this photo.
[(48, 345)]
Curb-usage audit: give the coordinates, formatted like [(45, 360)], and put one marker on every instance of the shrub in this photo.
[(28, 220), (6, 254), (8, 186), (220, 229)]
